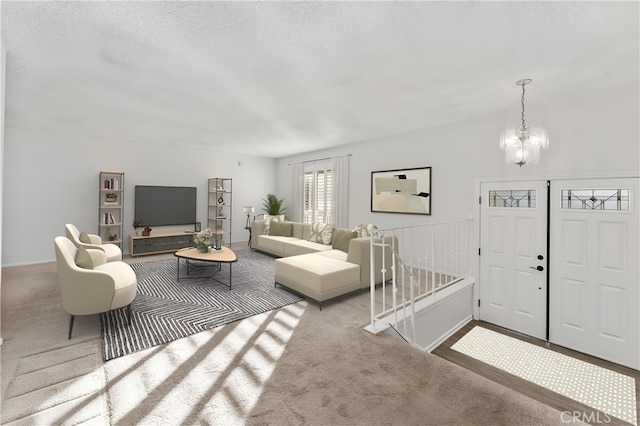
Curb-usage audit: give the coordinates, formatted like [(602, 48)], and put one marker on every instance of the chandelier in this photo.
[(522, 145)]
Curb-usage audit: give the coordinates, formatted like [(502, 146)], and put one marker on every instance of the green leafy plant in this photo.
[(138, 223), (273, 205)]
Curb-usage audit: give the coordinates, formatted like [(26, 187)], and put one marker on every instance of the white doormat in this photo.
[(605, 390)]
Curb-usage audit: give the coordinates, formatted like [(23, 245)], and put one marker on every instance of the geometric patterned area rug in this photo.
[(165, 309), (611, 392)]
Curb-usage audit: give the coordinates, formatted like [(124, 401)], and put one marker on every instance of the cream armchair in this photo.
[(112, 251), (89, 291)]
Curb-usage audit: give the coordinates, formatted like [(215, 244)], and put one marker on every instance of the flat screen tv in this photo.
[(165, 205)]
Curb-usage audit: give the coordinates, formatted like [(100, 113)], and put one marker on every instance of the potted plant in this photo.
[(137, 223), (146, 231), (273, 205), (111, 197)]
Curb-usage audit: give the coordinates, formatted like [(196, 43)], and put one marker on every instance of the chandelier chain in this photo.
[(524, 126)]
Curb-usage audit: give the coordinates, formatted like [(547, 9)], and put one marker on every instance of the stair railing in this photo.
[(425, 260)]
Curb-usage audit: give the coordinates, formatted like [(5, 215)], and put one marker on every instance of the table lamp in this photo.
[(248, 210)]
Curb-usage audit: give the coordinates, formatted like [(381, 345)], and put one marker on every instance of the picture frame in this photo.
[(401, 191)]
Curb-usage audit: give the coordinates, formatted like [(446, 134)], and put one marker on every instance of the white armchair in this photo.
[(108, 286), (112, 251)]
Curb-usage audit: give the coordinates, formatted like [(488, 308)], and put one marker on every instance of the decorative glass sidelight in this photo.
[(513, 198), (595, 199)]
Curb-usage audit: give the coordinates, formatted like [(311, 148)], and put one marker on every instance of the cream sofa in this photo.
[(319, 271)]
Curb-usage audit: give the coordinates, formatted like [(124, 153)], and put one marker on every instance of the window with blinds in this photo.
[(318, 192)]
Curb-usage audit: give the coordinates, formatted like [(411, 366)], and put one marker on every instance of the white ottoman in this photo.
[(318, 277)]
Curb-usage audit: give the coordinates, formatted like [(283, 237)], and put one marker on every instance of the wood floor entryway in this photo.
[(529, 389)]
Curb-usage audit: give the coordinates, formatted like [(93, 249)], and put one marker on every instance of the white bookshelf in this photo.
[(111, 207)]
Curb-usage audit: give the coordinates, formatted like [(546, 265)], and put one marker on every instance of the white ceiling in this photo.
[(280, 78)]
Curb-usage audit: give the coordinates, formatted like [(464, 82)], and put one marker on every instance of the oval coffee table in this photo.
[(190, 254)]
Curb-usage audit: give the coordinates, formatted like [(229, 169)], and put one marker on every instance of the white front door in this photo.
[(594, 268), (513, 256)]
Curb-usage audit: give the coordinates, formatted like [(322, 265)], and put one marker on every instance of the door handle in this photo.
[(538, 268)]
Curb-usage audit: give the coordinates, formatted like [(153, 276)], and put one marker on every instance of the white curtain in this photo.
[(340, 166), (295, 208), (320, 191)]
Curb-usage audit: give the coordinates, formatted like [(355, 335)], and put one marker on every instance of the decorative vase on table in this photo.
[(203, 247), (202, 240)]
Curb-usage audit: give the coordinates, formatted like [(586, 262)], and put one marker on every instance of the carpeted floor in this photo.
[(290, 366), (166, 309)]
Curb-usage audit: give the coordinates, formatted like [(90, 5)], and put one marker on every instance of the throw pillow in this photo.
[(365, 229), (282, 229), (267, 222), (84, 238), (83, 259), (321, 233), (341, 238)]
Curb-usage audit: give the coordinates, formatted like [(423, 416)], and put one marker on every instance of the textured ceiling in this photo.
[(279, 78)]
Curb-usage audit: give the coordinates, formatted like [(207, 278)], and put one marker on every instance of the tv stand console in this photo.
[(160, 243)]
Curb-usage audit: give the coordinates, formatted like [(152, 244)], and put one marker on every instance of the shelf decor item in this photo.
[(137, 224), (146, 232), (202, 240)]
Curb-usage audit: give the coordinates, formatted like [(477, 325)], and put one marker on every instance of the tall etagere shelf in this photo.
[(111, 206), (219, 210)]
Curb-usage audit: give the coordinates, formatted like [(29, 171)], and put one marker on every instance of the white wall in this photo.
[(54, 180), (3, 55), (588, 136)]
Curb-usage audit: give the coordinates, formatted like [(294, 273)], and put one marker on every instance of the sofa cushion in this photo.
[(268, 220), (334, 254), (84, 238), (365, 229), (295, 247), (83, 258), (281, 229), (298, 229), (274, 244), (321, 233), (341, 237)]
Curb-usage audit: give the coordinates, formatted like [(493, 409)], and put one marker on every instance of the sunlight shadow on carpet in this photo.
[(608, 391), (224, 369)]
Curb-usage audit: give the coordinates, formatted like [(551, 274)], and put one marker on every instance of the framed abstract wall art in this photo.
[(401, 191)]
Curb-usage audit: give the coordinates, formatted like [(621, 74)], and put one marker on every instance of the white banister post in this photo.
[(372, 280), (433, 259)]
